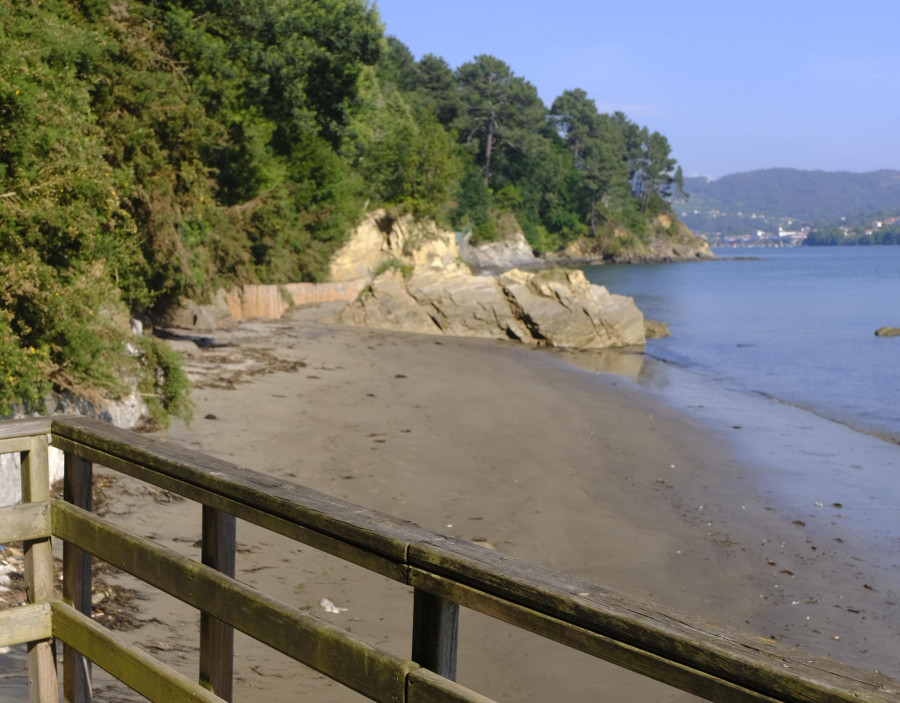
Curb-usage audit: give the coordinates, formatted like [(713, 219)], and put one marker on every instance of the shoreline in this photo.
[(576, 469), (879, 434), (647, 434)]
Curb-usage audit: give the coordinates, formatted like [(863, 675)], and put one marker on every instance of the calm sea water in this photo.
[(779, 355), (797, 325)]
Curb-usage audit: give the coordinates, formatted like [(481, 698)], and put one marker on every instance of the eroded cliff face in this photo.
[(380, 238), (426, 288)]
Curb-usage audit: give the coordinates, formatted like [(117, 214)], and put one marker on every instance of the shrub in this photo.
[(163, 383), (393, 264)]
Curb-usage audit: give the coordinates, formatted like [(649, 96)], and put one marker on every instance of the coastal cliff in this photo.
[(667, 239)]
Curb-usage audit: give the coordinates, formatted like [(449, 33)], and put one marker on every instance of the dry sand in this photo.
[(575, 470)]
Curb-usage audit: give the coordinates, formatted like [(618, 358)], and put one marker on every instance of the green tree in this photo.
[(501, 111), (280, 80), (70, 242), (651, 166), (575, 116), (402, 160), (831, 236), (597, 146), (435, 86)]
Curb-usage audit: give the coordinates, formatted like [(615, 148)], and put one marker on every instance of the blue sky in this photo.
[(734, 86)]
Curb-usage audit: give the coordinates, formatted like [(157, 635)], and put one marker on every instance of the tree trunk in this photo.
[(487, 149), (593, 214)]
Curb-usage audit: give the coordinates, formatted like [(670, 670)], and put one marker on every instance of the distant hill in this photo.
[(744, 202)]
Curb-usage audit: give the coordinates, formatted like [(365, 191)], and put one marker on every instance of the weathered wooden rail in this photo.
[(716, 664)]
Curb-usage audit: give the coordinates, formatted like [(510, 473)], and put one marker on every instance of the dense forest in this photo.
[(166, 148), (743, 202)]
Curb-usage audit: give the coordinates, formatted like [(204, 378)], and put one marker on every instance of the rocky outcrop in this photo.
[(654, 329), (674, 241), (511, 252), (549, 308), (381, 238), (387, 304), (425, 287), (668, 240), (462, 305), (562, 309)]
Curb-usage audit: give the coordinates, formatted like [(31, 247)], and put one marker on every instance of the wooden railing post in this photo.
[(217, 637), (77, 485), (42, 680), (435, 634)]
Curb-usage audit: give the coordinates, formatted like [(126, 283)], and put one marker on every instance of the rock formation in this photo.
[(424, 287), (556, 308), (381, 239), (653, 329), (511, 252), (668, 240)]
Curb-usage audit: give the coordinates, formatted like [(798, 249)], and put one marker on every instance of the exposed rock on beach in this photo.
[(420, 285)]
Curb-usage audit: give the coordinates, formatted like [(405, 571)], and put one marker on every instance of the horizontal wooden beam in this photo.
[(301, 636), (136, 669), (25, 427), (15, 444), (653, 666), (25, 623), (424, 686), (350, 531), (635, 633), (25, 521), (361, 556), (680, 649)]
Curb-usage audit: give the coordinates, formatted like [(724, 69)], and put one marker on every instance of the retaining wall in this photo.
[(270, 302)]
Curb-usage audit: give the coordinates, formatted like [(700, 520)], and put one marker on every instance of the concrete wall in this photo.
[(271, 302)]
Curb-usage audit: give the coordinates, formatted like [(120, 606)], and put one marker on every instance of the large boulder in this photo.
[(420, 284), (511, 252), (464, 305), (387, 304), (562, 309), (550, 308)]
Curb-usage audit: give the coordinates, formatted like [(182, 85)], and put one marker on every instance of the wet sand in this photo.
[(580, 471)]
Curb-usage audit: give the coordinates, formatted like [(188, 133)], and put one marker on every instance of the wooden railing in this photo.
[(716, 664)]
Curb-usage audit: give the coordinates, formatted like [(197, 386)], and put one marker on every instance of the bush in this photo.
[(393, 264), (163, 383), (24, 376)]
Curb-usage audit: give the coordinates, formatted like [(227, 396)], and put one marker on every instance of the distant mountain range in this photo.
[(786, 197)]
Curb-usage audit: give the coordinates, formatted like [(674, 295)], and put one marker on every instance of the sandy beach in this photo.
[(571, 468)]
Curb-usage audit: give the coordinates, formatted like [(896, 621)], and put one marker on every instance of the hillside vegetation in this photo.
[(165, 148), (726, 205)]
